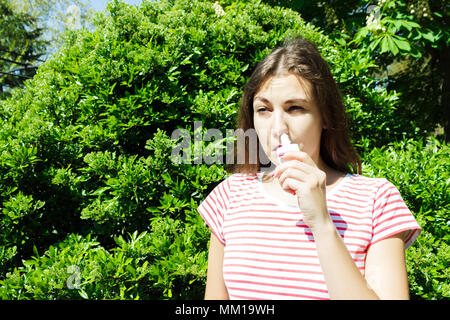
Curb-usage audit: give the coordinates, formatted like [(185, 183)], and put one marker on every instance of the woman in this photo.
[(310, 228)]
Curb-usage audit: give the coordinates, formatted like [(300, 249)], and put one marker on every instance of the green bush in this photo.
[(162, 264), (420, 170), (89, 193)]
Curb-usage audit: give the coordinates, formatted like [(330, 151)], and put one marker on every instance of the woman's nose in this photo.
[(279, 126)]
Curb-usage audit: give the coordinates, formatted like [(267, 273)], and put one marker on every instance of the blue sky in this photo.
[(99, 5)]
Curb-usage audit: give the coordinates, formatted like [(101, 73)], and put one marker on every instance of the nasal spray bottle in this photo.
[(286, 146)]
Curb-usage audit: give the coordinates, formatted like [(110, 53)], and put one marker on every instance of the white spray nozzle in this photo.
[(285, 140), (286, 144)]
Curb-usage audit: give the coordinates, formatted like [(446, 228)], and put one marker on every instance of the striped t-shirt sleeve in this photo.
[(213, 209), (392, 216)]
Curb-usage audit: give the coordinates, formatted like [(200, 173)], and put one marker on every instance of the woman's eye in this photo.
[(294, 108), (262, 109)]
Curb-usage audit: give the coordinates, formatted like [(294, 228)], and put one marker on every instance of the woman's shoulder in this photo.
[(242, 177), (367, 182), (364, 178), (233, 181)]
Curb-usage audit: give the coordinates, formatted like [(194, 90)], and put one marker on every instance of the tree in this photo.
[(20, 47), (409, 41), (31, 31), (56, 17), (411, 38)]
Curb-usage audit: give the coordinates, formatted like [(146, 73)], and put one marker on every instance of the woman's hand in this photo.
[(299, 174)]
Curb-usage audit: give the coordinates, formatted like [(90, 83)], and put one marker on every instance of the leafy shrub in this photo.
[(146, 266), (89, 190), (420, 171)]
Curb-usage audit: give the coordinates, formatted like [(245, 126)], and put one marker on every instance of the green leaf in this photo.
[(341, 41), (413, 24), (408, 25), (392, 47), (384, 44), (83, 294), (361, 34), (402, 44), (374, 44), (397, 23), (35, 251), (429, 36), (415, 53)]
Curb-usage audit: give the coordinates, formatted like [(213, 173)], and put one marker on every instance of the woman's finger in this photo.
[(300, 156), (293, 164), (306, 175), (291, 185), (295, 173)]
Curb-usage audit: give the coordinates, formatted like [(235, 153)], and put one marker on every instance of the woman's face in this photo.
[(284, 105)]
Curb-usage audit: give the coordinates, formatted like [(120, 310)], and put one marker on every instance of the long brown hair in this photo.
[(302, 58)]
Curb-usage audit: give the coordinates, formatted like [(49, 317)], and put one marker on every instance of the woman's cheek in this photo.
[(262, 137)]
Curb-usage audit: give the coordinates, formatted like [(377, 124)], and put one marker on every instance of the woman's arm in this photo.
[(385, 260), (385, 268), (215, 285)]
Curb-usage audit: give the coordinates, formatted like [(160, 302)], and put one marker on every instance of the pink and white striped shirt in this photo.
[(269, 251)]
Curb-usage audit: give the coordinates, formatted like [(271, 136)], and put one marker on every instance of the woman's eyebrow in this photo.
[(262, 99), (296, 100), (290, 100)]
